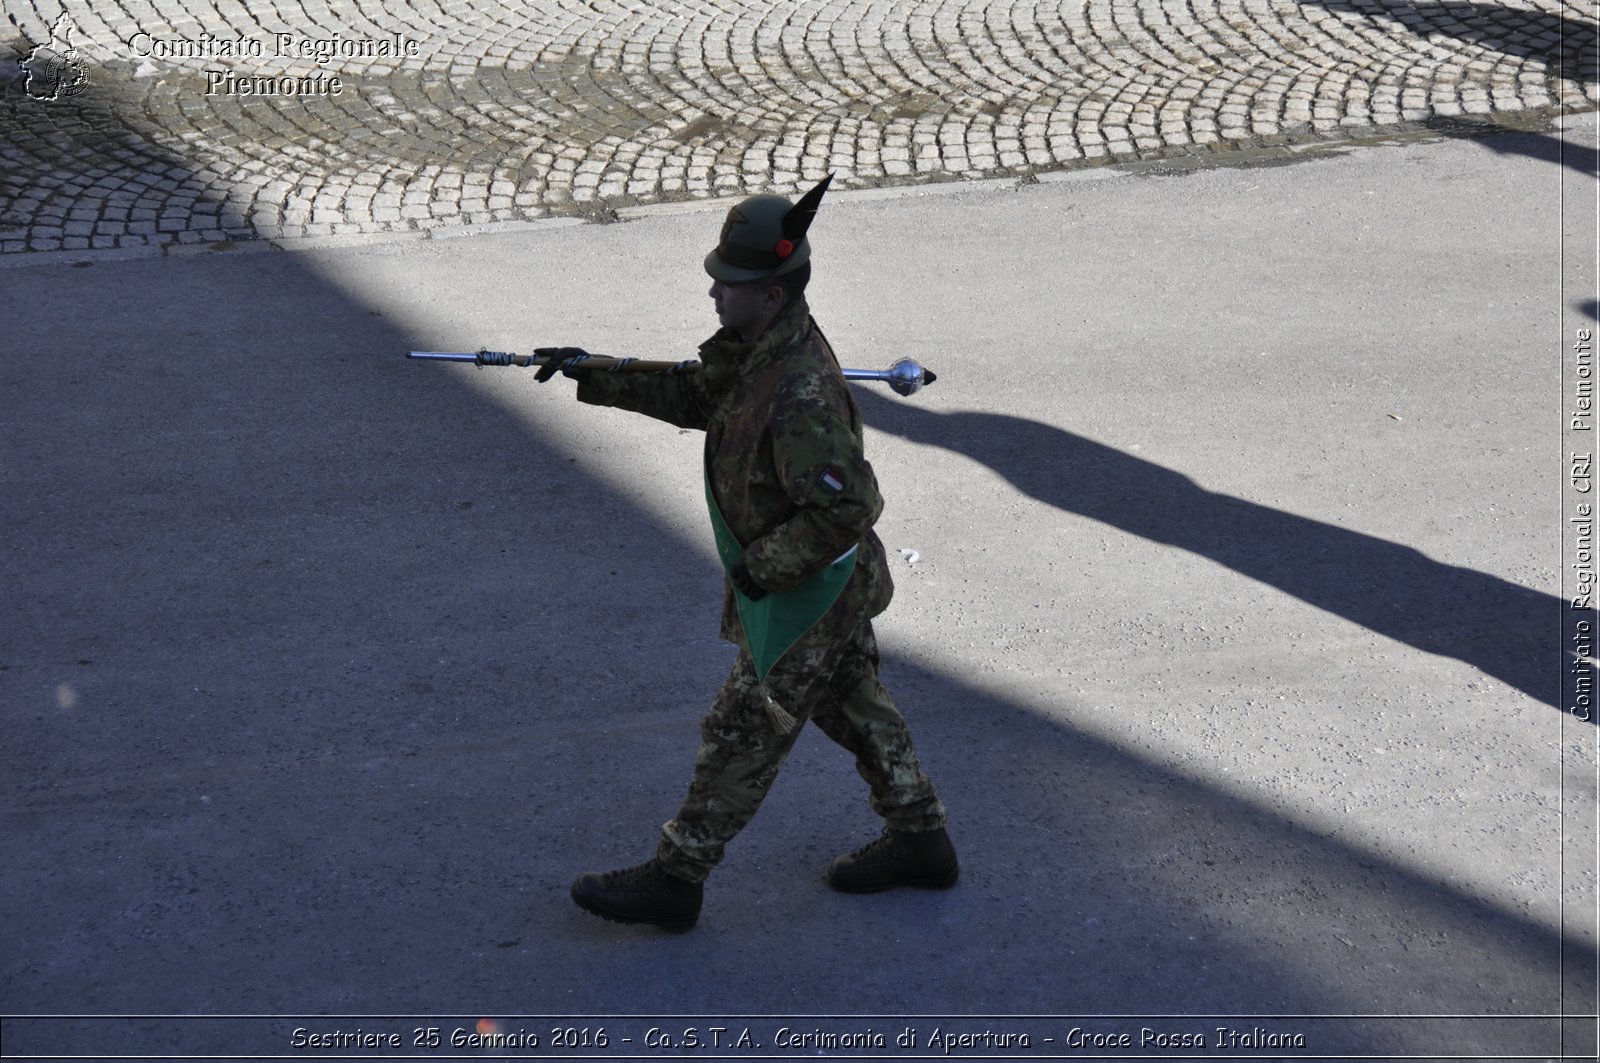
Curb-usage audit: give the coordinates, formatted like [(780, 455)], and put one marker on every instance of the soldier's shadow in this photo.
[(1397, 591)]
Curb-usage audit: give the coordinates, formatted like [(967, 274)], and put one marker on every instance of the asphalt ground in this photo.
[(1231, 642)]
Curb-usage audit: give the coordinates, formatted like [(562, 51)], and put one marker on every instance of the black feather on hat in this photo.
[(798, 220)]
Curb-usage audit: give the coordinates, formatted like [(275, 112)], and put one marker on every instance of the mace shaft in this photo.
[(906, 376)]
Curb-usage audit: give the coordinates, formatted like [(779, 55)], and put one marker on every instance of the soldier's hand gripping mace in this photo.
[(906, 377)]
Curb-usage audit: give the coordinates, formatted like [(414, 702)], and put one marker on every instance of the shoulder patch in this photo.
[(832, 479)]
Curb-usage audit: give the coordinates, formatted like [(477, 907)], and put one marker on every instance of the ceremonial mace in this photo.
[(906, 377)]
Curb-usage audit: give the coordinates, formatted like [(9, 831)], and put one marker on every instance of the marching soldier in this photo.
[(792, 502)]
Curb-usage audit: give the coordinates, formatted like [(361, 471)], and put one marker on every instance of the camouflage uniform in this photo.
[(783, 457)]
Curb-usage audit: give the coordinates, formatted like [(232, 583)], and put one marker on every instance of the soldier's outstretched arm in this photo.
[(677, 398)]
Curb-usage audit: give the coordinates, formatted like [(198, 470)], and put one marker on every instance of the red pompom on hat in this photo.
[(784, 249)]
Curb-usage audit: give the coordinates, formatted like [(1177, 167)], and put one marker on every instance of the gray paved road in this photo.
[(498, 112)]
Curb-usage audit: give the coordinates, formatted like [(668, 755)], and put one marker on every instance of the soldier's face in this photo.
[(746, 308)]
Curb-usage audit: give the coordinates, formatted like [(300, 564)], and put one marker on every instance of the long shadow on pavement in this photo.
[(1397, 591), (1533, 145)]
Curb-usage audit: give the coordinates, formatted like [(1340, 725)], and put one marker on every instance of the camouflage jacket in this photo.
[(783, 453)]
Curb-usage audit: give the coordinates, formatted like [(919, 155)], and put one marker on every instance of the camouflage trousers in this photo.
[(831, 678)]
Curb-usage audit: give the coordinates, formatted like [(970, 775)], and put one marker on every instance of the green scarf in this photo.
[(777, 621)]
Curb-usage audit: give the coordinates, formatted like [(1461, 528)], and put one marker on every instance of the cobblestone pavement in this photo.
[(500, 112)]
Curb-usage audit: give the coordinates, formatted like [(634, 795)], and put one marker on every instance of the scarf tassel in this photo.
[(783, 721)]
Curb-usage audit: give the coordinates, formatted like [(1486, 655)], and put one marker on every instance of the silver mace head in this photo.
[(906, 377)]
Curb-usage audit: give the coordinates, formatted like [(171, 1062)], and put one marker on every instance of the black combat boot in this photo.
[(924, 859), (643, 894)]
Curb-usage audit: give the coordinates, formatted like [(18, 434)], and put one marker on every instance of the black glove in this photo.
[(562, 354), (740, 574)]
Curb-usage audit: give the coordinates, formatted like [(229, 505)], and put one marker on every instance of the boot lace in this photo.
[(645, 878), (882, 850)]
